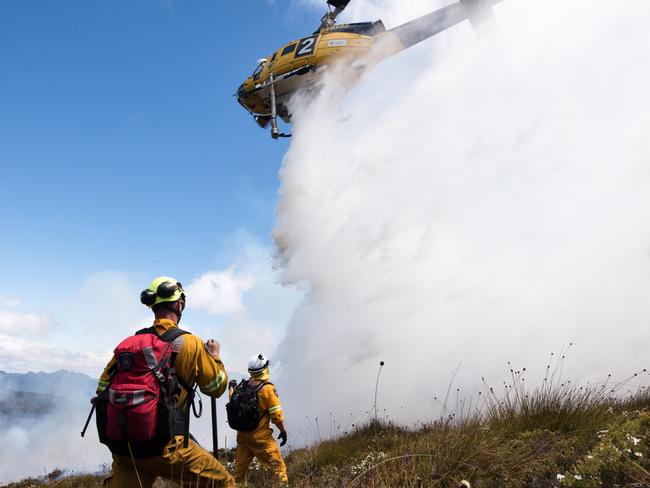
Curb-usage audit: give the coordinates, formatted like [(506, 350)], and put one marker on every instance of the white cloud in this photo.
[(26, 325), (220, 292), (88, 325), (263, 308), (244, 306), (244, 336), (21, 355), (103, 310)]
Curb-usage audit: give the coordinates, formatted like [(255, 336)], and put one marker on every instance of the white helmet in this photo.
[(257, 363)]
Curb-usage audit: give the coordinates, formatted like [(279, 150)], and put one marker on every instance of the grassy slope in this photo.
[(521, 440)]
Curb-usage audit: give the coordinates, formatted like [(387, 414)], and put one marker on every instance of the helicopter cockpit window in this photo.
[(275, 55), (258, 71), (289, 49)]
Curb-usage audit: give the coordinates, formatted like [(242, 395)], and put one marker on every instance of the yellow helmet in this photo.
[(162, 289)]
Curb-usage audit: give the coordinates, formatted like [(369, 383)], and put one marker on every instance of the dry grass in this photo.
[(557, 435)]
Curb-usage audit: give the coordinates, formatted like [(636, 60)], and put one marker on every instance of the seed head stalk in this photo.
[(381, 365)]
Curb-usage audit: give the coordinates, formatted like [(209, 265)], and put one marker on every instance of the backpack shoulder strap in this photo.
[(264, 383), (257, 391), (147, 330), (168, 336), (172, 334)]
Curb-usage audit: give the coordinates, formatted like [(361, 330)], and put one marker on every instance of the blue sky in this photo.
[(117, 116), (123, 150)]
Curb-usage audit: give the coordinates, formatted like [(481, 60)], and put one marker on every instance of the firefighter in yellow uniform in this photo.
[(259, 443), (196, 363)]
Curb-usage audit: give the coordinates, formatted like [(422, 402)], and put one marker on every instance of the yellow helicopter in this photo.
[(303, 62)]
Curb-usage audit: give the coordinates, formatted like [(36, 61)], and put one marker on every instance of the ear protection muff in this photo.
[(166, 289), (147, 297)]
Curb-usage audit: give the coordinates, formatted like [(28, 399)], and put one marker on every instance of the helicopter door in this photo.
[(306, 46)]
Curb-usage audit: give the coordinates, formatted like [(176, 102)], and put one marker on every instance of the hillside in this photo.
[(28, 396), (24, 404), (557, 437)]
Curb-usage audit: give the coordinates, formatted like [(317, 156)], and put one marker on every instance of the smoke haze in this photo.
[(471, 201), (41, 431)]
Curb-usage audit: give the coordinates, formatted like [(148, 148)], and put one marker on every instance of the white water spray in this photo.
[(475, 202)]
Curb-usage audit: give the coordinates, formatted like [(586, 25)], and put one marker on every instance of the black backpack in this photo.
[(243, 408)]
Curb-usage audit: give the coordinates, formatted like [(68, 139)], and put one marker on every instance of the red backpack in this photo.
[(137, 413)]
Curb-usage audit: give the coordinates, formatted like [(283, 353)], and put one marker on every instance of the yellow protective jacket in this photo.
[(260, 443), (193, 365)]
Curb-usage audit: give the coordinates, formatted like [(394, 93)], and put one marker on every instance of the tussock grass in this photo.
[(76, 481), (81, 481), (556, 435)]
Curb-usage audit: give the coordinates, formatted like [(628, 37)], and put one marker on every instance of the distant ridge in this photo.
[(25, 396), (46, 383)]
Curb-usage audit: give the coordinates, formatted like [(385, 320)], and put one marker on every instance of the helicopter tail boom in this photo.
[(478, 12)]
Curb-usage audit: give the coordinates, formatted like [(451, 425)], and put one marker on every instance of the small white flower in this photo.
[(635, 440), (589, 456), (560, 477), (638, 454), (578, 477)]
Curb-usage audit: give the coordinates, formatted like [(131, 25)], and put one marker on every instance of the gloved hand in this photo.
[(232, 383), (283, 436), (213, 347)]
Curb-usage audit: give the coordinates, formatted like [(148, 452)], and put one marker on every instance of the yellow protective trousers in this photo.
[(192, 466), (260, 445)]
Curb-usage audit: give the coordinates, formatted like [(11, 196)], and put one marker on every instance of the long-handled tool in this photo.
[(90, 415), (215, 437)]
